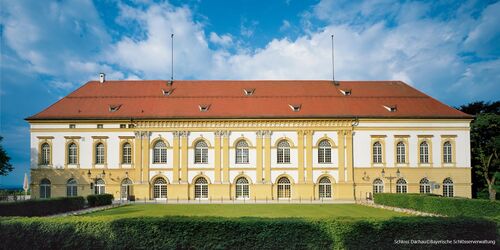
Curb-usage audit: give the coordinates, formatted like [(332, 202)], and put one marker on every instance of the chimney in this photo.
[(102, 77)]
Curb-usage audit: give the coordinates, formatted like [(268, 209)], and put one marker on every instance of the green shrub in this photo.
[(440, 205), (236, 233), (96, 200), (42, 207)]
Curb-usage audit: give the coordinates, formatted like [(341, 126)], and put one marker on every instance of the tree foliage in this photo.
[(5, 166), (485, 132), (485, 148)]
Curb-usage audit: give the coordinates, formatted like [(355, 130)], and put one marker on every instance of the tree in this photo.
[(485, 147), (478, 159), (5, 166)]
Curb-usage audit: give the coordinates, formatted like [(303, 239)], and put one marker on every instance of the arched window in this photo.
[(242, 188), (378, 186), (99, 153), (283, 152), (100, 187), (242, 152), (126, 188), (424, 152), (160, 152), (324, 152), (45, 154), (401, 186), (71, 188), (325, 188), (201, 188), (72, 153), (377, 152), (448, 187), (45, 189), (447, 152), (425, 186), (284, 188), (201, 152), (160, 188), (400, 152), (126, 153)]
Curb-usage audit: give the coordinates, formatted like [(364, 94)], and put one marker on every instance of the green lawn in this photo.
[(255, 210)]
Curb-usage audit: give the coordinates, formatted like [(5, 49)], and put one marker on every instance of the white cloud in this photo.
[(224, 40), (285, 25), (415, 48)]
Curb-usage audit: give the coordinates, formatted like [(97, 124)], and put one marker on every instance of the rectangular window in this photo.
[(72, 126), (123, 125), (100, 126)]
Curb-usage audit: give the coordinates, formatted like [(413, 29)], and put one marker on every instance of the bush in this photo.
[(440, 205), (96, 200), (239, 233), (42, 207)]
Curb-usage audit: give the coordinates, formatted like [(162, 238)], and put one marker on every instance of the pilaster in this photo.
[(258, 164), (225, 156), (300, 156), (176, 161), (138, 153), (348, 136), (184, 156), (145, 135), (309, 155), (217, 160), (267, 154), (341, 156)]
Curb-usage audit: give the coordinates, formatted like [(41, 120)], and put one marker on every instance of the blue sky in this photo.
[(448, 49)]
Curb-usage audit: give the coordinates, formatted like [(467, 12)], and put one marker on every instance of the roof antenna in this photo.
[(172, 64), (336, 83)]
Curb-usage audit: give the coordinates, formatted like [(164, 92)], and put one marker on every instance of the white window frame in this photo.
[(283, 152), (201, 152), (324, 152), (201, 189), (325, 188), (448, 190), (160, 188), (447, 152), (400, 152), (425, 186), (71, 188), (160, 152), (45, 189), (242, 152), (378, 186), (401, 186), (284, 188), (377, 152), (99, 153), (242, 188), (424, 152)]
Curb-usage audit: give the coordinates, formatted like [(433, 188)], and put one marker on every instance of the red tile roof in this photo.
[(227, 99)]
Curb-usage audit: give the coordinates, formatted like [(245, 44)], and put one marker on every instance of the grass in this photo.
[(255, 210)]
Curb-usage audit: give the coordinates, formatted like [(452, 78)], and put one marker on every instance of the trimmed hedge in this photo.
[(96, 200), (239, 233), (441, 205), (42, 207)]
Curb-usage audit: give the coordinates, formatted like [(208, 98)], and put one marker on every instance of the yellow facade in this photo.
[(353, 182)]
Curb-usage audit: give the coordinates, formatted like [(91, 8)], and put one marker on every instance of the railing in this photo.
[(14, 197)]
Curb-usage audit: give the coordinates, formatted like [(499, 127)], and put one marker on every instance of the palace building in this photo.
[(249, 140)]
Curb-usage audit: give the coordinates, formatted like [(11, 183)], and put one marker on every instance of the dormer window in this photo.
[(295, 107), (114, 107), (204, 107), (248, 92), (391, 108), (167, 92), (345, 92)]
